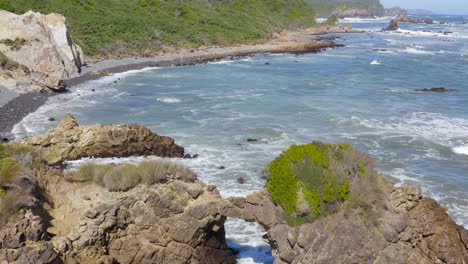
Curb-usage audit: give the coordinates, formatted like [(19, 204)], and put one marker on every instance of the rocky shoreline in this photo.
[(304, 41), (337, 210)]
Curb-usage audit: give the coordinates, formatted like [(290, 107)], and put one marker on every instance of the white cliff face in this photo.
[(47, 54)]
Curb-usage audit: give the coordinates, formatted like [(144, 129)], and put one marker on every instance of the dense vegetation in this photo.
[(312, 180), (124, 27), (325, 8)]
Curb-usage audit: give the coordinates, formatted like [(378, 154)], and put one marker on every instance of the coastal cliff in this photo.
[(37, 52), (323, 203)]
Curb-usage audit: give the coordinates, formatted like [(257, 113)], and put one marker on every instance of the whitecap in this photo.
[(416, 51), (461, 150), (375, 62), (169, 100)]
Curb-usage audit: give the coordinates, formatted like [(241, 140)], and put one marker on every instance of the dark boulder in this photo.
[(393, 26), (436, 89)]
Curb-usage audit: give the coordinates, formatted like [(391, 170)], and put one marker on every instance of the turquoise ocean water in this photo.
[(362, 93)]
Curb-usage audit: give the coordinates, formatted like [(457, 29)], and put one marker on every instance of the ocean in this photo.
[(363, 93)]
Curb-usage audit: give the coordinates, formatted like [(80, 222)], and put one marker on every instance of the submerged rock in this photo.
[(40, 52), (70, 141), (436, 89)]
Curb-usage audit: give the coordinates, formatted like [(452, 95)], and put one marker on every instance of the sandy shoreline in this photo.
[(14, 108)]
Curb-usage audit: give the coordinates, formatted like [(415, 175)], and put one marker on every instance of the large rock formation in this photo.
[(172, 222), (38, 52), (375, 223), (69, 141), (322, 203)]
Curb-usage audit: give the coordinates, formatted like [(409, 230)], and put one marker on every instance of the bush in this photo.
[(9, 168), (5, 5), (123, 27), (332, 20), (126, 176), (142, 3), (307, 180)]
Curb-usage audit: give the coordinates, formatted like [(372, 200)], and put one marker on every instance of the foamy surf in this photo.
[(169, 100), (461, 150)]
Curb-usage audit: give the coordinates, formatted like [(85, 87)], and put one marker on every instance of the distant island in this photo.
[(419, 12)]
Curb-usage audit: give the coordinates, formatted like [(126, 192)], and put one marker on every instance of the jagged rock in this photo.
[(406, 19), (393, 26), (42, 47), (436, 89), (398, 225), (70, 141), (177, 222), (25, 227), (429, 21)]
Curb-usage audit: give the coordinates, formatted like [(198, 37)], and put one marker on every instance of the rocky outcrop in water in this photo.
[(36, 52), (436, 89), (392, 27), (70, 141), (406, 19)]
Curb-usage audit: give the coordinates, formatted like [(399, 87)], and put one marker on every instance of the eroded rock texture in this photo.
[(408, 228), (175, 222), (40, 50), (69, 141)]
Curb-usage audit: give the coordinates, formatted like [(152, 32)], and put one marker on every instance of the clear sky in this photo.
[(452, 7)]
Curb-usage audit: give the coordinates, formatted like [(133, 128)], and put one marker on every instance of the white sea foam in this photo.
[(169, 100), (231, 61), (375, 62), (364, 20), (411, 33), (461, 150), (416, 51), (222, 62), (430, 126)]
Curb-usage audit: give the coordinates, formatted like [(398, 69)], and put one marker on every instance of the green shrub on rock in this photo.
[(332, 20), (307, 180)]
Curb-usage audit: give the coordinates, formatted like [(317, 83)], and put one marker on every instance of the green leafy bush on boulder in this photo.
[(123, 27), (307, 180), (332, 20)]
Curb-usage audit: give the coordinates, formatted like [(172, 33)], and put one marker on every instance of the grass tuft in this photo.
[(126, 176)]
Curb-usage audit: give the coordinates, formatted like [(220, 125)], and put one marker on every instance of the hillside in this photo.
[(344, 8), (139, 27)]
